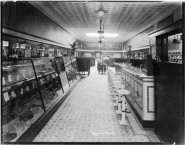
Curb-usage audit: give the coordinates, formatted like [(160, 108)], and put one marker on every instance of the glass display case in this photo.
[(71, 68), (21, 101), (31, 83), (47, 72), (30, 86), (175, 48)]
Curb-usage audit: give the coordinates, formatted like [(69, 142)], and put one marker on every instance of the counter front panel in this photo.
[(141, 86)]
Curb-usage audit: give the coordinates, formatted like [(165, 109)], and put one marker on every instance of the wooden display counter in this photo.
[(141, 99)]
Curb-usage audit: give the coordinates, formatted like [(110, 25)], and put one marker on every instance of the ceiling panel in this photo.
[(125, 18)]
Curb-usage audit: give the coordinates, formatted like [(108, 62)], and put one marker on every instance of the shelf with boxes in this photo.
[(175, 57)]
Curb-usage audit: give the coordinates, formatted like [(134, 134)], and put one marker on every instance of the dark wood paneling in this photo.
[(169, 98), (165, 22), (23, 17), (183, 60)]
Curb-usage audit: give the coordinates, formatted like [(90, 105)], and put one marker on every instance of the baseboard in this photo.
[(145, 124)]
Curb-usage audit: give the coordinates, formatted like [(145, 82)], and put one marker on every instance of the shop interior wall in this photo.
[(105, 46), (23, 17), (142, 39), (108, 54)]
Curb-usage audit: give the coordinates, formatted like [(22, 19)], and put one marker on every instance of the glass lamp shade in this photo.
[(101, 13)]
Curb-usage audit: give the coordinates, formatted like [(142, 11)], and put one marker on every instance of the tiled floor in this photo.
[(88, 115)]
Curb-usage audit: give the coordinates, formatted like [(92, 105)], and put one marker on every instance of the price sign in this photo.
[(27, 88), (24, 75), (9, 78), (41, 81), (3, 80), (30, 73), (6, 96), (17, 77), (53, 76), (21, 91), (13, 94)]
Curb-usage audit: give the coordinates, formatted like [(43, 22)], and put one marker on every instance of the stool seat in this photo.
[(119, 86), (123, 92), (116, 81)]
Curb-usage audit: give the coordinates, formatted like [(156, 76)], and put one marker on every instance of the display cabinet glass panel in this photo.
[(70, 72), (175, 48), (49, 81), (21, 101)]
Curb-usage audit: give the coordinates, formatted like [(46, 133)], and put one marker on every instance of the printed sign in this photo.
[(3, 80), (6, 96), (17, 77), (27, 88), (13, 94), (9, 78)]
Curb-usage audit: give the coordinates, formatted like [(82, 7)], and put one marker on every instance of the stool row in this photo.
[(118, 93)]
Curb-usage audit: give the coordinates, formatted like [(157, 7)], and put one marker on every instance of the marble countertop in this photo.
[(138, 74)]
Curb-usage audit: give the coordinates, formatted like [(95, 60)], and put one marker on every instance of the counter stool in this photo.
[(114, 94), (118, 87), (119, 99), (111, 86), (123, 93)]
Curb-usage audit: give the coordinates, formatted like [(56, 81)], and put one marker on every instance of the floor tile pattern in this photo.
[(88, 115), (152, 136)]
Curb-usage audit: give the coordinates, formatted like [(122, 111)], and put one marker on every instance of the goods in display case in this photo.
[(22, 104), (21, 101), (48, 79), (31, 85), (71, 68), (175, 57), (175, 48)]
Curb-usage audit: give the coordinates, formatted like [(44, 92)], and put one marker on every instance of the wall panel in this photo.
[(23, 17)]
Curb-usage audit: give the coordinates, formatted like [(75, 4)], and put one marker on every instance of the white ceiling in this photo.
[(125, 18)]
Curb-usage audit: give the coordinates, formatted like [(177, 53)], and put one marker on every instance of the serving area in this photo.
[(141, 98), (100, 71)]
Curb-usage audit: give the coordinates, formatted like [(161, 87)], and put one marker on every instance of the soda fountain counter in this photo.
[(141, 86)]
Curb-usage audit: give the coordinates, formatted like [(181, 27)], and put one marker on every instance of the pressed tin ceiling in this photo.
[(125, 18)]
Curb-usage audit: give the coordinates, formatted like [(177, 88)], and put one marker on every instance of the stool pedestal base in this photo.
[(122, 122)]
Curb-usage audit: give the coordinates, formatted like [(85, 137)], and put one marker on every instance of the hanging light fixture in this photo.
[(101, 31), (101, 12), (100, 42)]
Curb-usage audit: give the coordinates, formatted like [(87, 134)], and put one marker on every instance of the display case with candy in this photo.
[(21, 101), (49, 81)]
